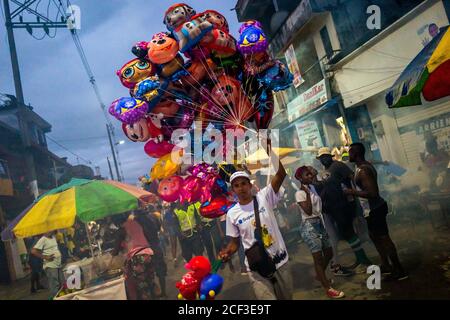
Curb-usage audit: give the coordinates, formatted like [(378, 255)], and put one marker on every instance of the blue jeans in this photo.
[(314, 234)]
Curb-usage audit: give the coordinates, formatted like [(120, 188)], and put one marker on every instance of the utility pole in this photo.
[(21, 108), (110, 169), (13, 53), (113, 152), (14, 20)]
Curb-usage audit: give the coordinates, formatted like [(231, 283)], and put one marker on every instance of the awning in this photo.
[(427, 76), (326, 105), (261, 154)]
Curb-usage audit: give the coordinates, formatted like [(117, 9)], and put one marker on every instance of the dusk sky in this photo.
[(56, 85)]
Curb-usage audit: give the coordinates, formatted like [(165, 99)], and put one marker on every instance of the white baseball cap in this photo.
[(239, 174)]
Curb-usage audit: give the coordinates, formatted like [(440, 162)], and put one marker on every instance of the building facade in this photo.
[(344, 56)]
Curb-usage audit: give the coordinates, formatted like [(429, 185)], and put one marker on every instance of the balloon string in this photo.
[(215, 266)]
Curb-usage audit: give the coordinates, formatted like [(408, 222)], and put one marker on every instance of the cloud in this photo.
[(57, 86)]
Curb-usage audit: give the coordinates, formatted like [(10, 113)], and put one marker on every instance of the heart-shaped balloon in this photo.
[(158, 149)]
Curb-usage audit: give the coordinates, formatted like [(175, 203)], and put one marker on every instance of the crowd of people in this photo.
[(256, 228)]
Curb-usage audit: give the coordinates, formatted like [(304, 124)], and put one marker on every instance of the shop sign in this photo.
[(308, 101), (309, 134), (431, 124), (296, 20), (292, 63)]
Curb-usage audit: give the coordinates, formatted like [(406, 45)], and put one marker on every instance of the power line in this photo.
[(70, 151), (86, 138), (370, 84)]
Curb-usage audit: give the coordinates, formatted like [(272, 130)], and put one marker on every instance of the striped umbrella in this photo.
[(87, 200), (427, 76)]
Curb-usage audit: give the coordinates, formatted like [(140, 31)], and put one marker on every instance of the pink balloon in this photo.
[(158, 149), (191, 189), (169, 189)]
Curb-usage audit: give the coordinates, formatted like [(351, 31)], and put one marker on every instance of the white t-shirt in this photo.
[(241, 223), (316, 202), (49, 246)]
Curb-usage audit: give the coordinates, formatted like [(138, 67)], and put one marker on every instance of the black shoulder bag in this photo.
[(258, 258)]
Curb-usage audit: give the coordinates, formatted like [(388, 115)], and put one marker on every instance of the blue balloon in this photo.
[(212, 282)]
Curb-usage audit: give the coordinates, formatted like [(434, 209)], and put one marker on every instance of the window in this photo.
[(326, 42), (4, 169)]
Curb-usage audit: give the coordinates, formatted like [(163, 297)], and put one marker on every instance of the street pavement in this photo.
[(424, 251)]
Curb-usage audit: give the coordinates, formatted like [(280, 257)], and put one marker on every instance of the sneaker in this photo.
[(342, 272), (361, 268), (243, 271), (386, 269), (397, 276), (335, 294)]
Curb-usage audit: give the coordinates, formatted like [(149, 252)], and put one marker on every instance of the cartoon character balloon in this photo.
[(169, 189), (167, 165), (128, 110), (217, 20), (236, 107), (135, 71), (162, 48), (178, 14), (252, 38)]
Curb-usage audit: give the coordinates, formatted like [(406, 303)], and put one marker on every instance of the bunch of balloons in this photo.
[(202, 184), (196, 70), (199, 282)]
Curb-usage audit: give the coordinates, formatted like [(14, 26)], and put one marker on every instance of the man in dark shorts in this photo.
[(375, 210), (341, 209)]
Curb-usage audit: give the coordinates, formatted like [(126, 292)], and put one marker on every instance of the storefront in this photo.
[(364, 77), (317, 121)]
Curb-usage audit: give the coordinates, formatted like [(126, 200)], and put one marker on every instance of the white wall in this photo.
[(376, 69), (389, 142)]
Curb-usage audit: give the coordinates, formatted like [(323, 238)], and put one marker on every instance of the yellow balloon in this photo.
[(212, 293), (166, 166), (180, 297)]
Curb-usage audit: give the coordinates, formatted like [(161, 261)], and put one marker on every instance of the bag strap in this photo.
[(258, 232)]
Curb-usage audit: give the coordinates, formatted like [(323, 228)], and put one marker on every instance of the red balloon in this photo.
[(158, 149), (189, 286), (217, 207), (200, 267), (169, 189), (233, 103)]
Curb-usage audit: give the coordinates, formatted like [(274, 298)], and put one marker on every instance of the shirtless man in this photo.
[(375, 210)]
